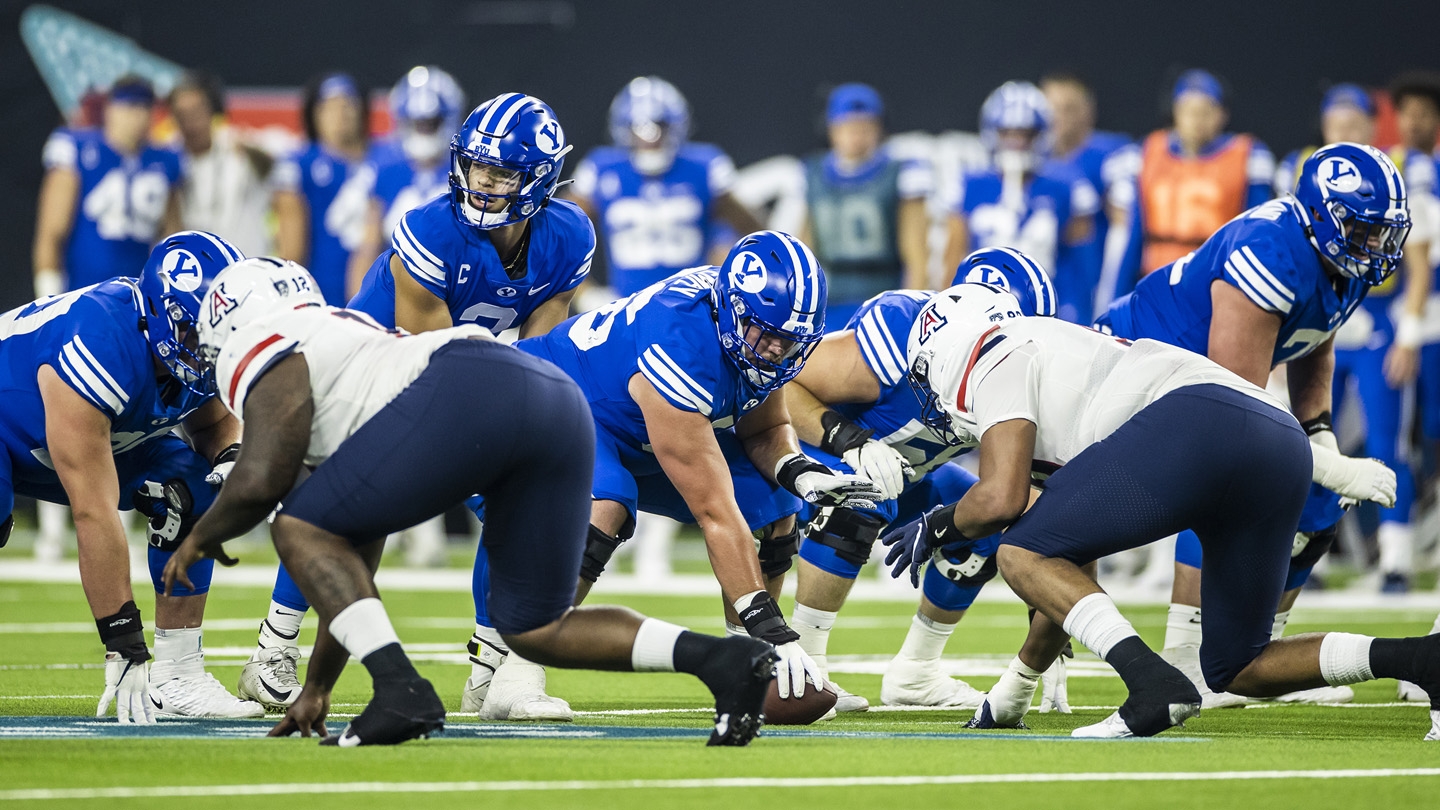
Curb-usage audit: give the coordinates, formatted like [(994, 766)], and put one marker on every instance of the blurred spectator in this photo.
[(315, 226), (225, 187), (866, 218)]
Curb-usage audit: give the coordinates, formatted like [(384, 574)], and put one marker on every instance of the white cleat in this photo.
[(184, 689), (1434, 726), (1411, 693), (911, 682), (1187, 660), (1320, 695), (1114, 727), (517, 692), (269, 678), (848, 701)]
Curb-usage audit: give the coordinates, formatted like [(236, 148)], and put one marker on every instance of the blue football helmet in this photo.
[(769, 301), (426, 103), (517, 147), (1015, 106), (651, 119), (1013, 272), (1359, 216), (173, 286)]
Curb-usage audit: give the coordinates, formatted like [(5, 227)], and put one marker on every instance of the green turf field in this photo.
[(1264, 757)]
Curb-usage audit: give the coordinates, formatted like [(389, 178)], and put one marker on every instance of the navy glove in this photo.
[(912, 544)]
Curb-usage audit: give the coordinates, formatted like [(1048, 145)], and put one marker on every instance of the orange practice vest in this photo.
[(1187, 199)]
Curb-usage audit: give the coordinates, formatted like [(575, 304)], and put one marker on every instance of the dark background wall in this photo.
[(755, 72)]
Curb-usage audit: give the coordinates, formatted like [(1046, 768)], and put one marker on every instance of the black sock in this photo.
[(1402, 658), (693, 651), (1133, 661), (389, 663)]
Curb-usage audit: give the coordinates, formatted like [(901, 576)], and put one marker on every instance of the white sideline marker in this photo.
[(282, 789)]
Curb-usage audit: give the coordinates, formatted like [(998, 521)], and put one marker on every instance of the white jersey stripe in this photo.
[(658, 357), (1263, 299), (80, 385), (879, 349), (420, 246), (86, 378), (99, 369), (405, 246), (1260, 267), (665, 380), (1268, 297)]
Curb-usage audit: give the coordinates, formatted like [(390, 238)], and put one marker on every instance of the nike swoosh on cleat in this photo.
[(277, 695), (347, 739), (157, 703)]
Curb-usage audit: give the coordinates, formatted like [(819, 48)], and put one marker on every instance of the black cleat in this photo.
[(398, 712), (1162, 700), (984, 718), (740, 703)]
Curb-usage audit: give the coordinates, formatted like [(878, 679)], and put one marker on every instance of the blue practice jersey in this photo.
[(459, 265), (1109, 162), (337, 212), (665, 332), (1266, 255), (92, 339), (654, 226), (1033, 221), (121, 203)]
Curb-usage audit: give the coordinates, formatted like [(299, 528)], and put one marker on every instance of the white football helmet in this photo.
[(250, 291), (942, 341)]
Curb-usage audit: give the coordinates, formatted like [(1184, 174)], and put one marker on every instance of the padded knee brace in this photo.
[(599, 547), (1311, 546), (777, 552), (851, 533), (965, 568)]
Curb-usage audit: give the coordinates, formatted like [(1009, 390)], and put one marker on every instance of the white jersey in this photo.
[(356, 366), (1077, 385)]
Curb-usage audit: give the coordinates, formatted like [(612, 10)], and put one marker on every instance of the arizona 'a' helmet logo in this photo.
[(221, 304), (930, 320)]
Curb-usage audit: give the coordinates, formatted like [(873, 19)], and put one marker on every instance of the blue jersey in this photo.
[(1033, 221), (459, 265), (92, 339), (121, 203), (654, 225), (1266, 255), (400, 187), (337, 212), (665, 332), (1108, 161)]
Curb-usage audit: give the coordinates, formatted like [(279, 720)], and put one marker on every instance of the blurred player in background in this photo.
[(1016, 203), (1108, 161), (225, 187), (318, 225), (865, 209), (107, 195)]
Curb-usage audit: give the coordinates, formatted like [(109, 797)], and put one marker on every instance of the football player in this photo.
[(865, 208), (1016, 202), (1043, 394), (96, 381), (656, 197), (689, 425), (397, 428), (497, 251), (317, 223), (854, 411)]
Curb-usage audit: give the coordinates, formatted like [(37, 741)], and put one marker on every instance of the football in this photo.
[(798, 711)]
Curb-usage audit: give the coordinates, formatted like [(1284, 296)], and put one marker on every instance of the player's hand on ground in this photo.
[(792, 669), (912, 544), (882, 464), (306, 715), (822, 486), (127, 684)]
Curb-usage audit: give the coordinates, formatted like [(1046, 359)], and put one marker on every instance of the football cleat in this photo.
[(183, 688), (912, 682), (848, 701), (1411, 693), (985, 718), (269, 678), (1163, 698), (740, 704), (1318, 695), (485, 658), (398, 712), (1186, 658), (517, 692), (1115, 727)]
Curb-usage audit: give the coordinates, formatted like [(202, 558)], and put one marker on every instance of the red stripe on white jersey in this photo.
[(244, 364), (970, 366)]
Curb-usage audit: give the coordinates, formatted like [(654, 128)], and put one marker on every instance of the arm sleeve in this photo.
[(104, 376), (60, 151), (1262, 273), (585, 179), (422, 263), (1118, 173), (1006, 390), (686, 389)]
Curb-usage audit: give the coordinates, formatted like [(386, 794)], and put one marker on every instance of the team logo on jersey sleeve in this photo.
[(182, 270), (1339, 174), (987, 274), (747, 272), (930, 320)]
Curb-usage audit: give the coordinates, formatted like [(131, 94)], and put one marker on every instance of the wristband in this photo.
[(123, 633), (48, 283), (840, 434), (229, 454), (763, 620), (1409, 331), (1319, 423), (792, 467)]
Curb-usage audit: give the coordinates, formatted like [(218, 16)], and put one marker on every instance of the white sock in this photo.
[(736, 630), (491, 636), (1345, 658), (654, 649), (363, 628), (281, 627), (814, 628), (173, 645), (1397, 548), (1097, 623), (1011, 696), (925, 640), (1182, 627), (1278, 629)]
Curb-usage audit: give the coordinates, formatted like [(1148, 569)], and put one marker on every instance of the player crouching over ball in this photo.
[(397, 428)]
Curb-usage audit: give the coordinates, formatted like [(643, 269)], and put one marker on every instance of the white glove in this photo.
[(793, 667), (1356, 479), (882, 464), (1056, 697), (815, 483), (224, 463), (128, 684)]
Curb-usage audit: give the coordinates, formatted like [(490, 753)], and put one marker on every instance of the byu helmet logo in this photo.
[(548, 138), (182, 270), (1339, 174), (747, 272), (987, 274)]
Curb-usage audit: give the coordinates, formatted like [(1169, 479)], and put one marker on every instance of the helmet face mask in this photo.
[(932, 413), (506, 161), (1358, 212), (769, 298), (172, 286)]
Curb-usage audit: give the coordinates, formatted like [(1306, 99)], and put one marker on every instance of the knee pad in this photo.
[(964, 567), (5, 529), (1311, 546), (777, 552), (169, 509), (599, 547), (849, 532)]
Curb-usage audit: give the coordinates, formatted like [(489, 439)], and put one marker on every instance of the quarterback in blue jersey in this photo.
[(687, 427), (107, 195), (854, 409), (657, 198), (96, 381), (319, 221), (496, 251), (1043, 210)]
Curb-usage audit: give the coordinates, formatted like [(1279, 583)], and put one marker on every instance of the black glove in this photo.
[(912, 544)]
